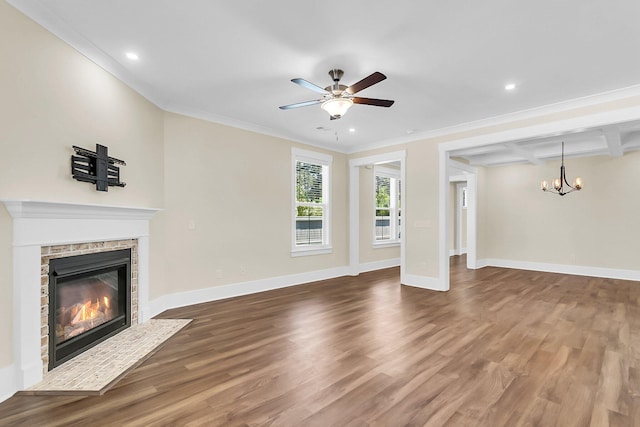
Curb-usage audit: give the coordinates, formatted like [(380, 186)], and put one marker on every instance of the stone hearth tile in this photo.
[(99, 368)]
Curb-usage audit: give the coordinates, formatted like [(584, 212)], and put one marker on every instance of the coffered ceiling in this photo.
[(613, 140), (447, 63)]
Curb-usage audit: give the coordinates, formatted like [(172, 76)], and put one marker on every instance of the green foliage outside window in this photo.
[(383, 190), (308, 188)]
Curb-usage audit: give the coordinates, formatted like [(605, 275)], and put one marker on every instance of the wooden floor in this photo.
[(502, 348)]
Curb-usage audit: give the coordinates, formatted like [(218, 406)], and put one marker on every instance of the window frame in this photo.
[(394, 211), (326, 161)]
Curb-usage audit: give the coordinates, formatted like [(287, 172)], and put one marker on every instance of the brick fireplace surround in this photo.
[(38, 225), (62, 251)]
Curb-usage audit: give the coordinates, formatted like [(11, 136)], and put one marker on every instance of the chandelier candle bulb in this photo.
[(577, 184), (557, 184), (544, 185)]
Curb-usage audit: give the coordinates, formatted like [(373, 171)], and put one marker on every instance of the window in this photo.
[(388, 206), (311, 207), (464, 198)]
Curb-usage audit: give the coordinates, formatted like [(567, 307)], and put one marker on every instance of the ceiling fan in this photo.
[(337, 99)]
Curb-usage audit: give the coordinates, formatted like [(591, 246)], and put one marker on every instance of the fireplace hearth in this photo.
[(89, 301)]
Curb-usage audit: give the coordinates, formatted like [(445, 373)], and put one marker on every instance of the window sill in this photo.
[(384, 244), (311, 251)]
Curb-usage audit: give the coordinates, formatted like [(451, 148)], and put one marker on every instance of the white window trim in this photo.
[(307, 156), (378, 244), (389, 173)]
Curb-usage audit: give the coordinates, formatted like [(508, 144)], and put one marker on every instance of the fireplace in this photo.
[(89, 301), (45, 230)]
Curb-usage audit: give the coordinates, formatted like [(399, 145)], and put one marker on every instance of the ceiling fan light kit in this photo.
[(337, 99), (337, 107)]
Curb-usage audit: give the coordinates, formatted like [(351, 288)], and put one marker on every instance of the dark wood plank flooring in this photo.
[(502, 348)]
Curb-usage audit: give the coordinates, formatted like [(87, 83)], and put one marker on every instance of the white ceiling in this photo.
[(446, 62)]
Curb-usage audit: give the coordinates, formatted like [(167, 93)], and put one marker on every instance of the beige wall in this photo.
[(235, 186), (420, 206), (596, 227), (454, 201), (482, 195), (451, 213), (369, 253), (53, 98), (463, 228)]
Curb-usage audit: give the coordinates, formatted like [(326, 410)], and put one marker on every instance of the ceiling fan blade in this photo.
[(365, 83), (373, 101), (309, 85), (301, 104)]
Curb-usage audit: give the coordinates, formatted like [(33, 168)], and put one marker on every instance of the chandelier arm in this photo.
[(561, 192), (563, 176)]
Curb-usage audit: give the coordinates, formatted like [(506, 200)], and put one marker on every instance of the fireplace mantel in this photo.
[(59, 210), (43, 223)]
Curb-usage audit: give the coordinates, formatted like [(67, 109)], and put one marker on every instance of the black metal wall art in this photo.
[(96, 167)]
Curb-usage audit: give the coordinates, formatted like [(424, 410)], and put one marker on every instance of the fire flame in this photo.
[(90, 310)]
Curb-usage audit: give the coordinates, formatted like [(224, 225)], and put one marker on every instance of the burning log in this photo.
[(83, 317)]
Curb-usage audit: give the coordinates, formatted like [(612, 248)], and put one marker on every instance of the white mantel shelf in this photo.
[(44, 223), (63, 210)]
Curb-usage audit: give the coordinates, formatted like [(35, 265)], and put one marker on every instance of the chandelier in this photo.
[(559, 183)]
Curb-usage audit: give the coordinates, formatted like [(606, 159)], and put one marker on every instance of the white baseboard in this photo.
[(181, 299), (214, 293), (8, 383), (578, 270), (453, 252), (424, 282), (379, 265), (481, 263)]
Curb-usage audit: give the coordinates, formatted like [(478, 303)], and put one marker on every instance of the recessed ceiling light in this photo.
[(132, 56), (352, 130), (510, 86)]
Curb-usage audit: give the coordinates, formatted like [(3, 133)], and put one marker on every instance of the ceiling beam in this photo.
[(525, 154), (614, 141)]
